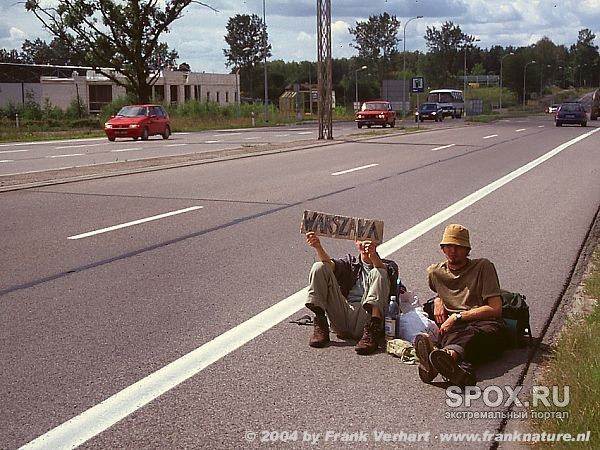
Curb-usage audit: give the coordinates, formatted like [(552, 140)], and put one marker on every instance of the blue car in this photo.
[(571, 113)]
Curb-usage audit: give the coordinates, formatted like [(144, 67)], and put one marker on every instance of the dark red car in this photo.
[(138, 121), (377, 112)]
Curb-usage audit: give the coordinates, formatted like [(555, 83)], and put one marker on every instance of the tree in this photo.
[(445, 46), (248, 42), (376, 41), (163, 57), (10, 56), (120, 35), (585, 54)]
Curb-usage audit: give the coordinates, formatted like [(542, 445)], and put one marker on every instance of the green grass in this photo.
[(575, 362)]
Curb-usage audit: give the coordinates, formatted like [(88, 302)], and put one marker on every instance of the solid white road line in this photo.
[(95, 420), (490, 136), (442, 147), (354, 169), (65, 156), (135, 222)]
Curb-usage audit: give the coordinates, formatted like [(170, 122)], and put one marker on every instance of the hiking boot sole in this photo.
[(423, 348), (449, 368)]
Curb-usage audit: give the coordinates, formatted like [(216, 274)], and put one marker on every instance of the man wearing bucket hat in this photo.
[(468, 310)]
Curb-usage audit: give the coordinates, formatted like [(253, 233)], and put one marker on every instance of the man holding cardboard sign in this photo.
[(352, 291)]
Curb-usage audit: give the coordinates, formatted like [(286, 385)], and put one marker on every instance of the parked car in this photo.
[(571, 113), (429, 111), (552, 109), (377, 112), (138, 121)]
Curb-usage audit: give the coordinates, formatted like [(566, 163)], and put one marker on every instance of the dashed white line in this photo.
[(65, 156), (135, 222), (13, 151), (354, 169), (541, 126), (62, 147), (251, 138), (490, 136), (281, 135), (306, 132), (126, 149), (225, 134), (6, 160), (105, 414), (520, 129), (211, 142), (442, 147), (176, 145)]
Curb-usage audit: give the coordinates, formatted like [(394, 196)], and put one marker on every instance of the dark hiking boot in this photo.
[(320, 336), (423, 348), (458, 374), (372, 334)]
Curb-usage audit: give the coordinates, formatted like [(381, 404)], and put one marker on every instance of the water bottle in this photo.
[(391, 319)]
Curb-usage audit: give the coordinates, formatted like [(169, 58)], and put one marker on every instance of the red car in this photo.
[(138, 121), (377, 112)]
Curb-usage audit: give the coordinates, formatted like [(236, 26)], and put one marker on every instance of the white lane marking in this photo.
[(176, 145), (62, 147), (541, 126), (6, 160), (490, 136), (442, 147), (135, 222), (296, 129), (354, 169), (520, 129), (225, 134), (306, 132), (251, 137), (65, 156), (126, 149), (13, 151), (14, 144), (97, 419), (281, 135), (211, 142)]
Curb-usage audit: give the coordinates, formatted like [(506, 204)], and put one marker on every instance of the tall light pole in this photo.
[(524, 78), (356, 86), (404, 67), (465, 77), (501, 60), (265, 56)]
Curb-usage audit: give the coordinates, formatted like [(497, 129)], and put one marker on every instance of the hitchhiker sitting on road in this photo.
[(468, 310), (353, 292)]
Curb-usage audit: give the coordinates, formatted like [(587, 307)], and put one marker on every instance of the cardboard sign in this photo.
[(342, 227)]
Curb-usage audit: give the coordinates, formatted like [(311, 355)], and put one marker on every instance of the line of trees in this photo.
[(126, 36)]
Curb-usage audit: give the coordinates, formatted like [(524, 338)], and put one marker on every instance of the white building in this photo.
[(61, 85)]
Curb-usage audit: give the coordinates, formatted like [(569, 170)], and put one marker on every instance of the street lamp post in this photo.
[(524, 78), (404, 67), (356, 85), (501, 60)]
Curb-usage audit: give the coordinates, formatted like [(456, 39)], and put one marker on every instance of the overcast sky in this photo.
[(199, 35)]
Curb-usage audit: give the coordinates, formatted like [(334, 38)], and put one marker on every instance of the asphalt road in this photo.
[(171, 331)]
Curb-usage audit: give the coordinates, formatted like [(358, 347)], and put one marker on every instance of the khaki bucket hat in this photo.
[(457, 235)]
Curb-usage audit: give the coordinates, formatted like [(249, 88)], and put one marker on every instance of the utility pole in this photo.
[(324, 77)]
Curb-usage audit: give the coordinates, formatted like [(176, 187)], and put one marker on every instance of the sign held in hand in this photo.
[(342, 227)]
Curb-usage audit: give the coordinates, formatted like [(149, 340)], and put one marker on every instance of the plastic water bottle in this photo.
[(391, 319)]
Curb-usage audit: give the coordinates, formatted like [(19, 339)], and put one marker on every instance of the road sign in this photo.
[(417, 84)]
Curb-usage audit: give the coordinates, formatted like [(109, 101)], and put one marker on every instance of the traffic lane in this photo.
[(63, 211), (261, 292), (293, 387)]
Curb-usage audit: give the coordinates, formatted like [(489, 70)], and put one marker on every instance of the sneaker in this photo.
[(423, 348), (372, 334), (320, 336), (458, 374)]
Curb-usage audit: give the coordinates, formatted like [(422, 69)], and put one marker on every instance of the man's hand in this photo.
[(313, 241), (369, 251), (448, 323), (439, 312)]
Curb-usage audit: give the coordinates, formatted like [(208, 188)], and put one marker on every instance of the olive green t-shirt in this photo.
[(466, 288)]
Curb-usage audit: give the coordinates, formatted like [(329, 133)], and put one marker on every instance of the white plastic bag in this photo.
[(415, 321)]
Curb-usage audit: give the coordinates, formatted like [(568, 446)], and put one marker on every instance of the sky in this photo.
[(292, 25)]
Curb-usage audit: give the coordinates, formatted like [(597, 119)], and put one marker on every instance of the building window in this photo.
[(197, 92), (174, 99), (208, 96), (187, 92), (100, 96), (218, 97), (227, 97), (159, 92)]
